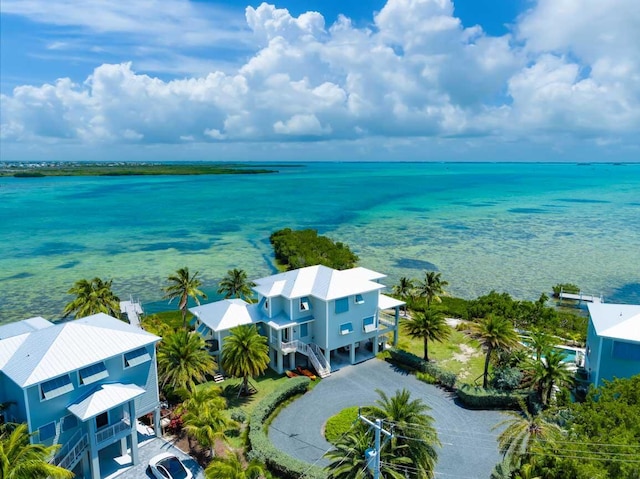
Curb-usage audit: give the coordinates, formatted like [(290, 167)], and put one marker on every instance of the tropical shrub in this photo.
[(506, 379), (404, 358), (475, 397), (566, 288), (262, 449)]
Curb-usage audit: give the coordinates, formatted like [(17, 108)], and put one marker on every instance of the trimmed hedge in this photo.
[(404, 358), (262, 449), (476, 397)]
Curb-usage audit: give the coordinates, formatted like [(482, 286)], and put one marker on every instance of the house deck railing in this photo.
[(72, 451), (387, 320), (113, 431)]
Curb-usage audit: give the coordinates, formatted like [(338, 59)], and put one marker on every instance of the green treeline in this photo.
[(300, 248), (133, 169)]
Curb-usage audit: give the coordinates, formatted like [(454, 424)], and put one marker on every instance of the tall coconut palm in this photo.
[(19, 459), (432, 287), (523, 433), (549, 372), (349, 460), (92, 297), (231, 467), (429, 325), (183, 360), (207, 425), (245, 354), (494, 332), (415, 437), (183, 286), (236, 285), (405, 290)]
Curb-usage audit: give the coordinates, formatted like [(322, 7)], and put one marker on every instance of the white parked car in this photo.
[(168, 466)]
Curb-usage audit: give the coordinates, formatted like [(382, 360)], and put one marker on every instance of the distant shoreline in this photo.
[(40, 170)]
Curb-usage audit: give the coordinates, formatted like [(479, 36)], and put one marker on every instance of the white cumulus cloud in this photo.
[(569, 69)]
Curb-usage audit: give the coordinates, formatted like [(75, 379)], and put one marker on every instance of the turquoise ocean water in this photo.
[(519, 228)]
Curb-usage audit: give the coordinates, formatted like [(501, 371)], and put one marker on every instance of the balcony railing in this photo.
[(113, 431), (387, 320)]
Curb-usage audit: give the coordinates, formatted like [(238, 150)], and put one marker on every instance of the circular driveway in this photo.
[(469, 447)]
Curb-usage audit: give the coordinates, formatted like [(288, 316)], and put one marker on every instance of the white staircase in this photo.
[(312, 351)]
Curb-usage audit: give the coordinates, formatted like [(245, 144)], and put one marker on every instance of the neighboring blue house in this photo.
[(613, 342), (315, 314), (81, 384)]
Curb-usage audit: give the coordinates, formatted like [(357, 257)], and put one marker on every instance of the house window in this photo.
[(266, 303), (304, 330), (305, 305), (342, 305), (626, 351), (56, 387), (133, 358), (69, 422), (359, 299), (47, 431), (93, 373), (346, 328), (369, 324), (102, 420), (203, 329)]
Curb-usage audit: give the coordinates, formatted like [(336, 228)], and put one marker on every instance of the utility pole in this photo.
[(377, 427)]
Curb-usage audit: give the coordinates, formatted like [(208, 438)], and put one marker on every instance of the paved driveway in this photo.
[(469, 447), (152, 448)]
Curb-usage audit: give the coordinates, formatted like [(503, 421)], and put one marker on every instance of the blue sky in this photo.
[(432, 80)]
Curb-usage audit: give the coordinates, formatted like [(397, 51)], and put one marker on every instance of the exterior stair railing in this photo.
[(312, 351), (72, 452)]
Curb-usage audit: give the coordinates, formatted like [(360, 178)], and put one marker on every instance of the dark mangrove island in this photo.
[(42, 169)]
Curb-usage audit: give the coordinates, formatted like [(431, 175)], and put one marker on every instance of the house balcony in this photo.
[(110, 434), (386, 320)]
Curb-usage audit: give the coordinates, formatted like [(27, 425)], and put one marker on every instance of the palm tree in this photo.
[(539, 342), (92, 297), (494, 332), (431, 287), (231, 467), (245, 354), (414, 435), (349, 460), (523, 433), (405, 290), (429, 325), (236, 285), (207, 425), (184, 286), (183, 360), (550, 371), (19, 459)]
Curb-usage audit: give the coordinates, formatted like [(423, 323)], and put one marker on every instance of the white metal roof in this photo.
[(47, 353), (282, 321), (226, 314), (106, 397), (387, 302), (318, 281), (616, 321), (24, 326)]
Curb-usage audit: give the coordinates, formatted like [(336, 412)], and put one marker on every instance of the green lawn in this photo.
[(460, 354)]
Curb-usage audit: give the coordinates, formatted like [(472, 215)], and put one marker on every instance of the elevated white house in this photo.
[(613, 341), (315, 314), (80, 384)]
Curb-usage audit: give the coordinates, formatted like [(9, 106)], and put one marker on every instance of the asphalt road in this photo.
[(469, 447)]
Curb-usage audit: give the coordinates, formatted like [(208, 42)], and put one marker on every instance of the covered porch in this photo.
[(108, 419)]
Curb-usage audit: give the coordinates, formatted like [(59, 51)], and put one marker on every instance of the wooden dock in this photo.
[(580, 297)]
